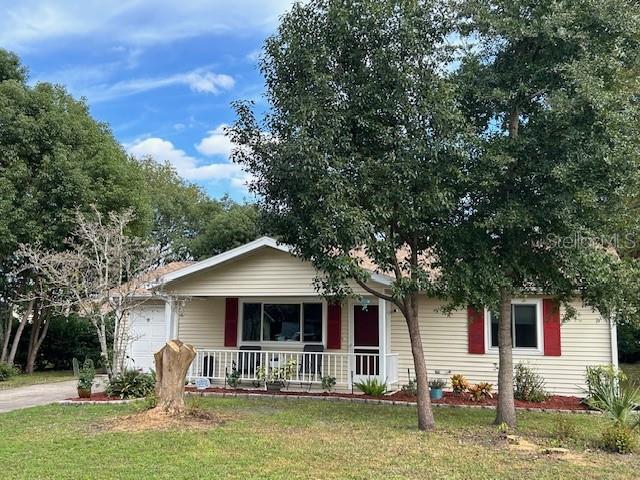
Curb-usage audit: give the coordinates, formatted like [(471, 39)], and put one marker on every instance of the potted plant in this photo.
[(275, 378), (85, 378), (435, 388)]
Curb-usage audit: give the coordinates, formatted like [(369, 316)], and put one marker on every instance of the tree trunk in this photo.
[(506, 412), (425, 413), (39, 331), (102, 339), (16, 338), (8, 326), (172, 364)]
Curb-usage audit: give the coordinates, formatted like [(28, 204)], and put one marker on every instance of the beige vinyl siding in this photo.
[(266, 272), (585, 341), (201, 322)]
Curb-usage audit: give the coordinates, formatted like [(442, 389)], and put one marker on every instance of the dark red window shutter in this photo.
[(334, 324), (551, 327), (231, 322), (475, 330)]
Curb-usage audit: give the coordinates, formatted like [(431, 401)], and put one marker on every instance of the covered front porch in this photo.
[(305, 336)]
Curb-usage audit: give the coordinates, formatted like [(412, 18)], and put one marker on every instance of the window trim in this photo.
[(539, 350), (281, 301)]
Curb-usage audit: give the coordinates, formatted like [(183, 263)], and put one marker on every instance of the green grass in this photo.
[(633, 372), (271, 439), (36, 378)]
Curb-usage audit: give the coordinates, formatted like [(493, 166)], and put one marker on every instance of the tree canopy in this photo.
[(551, 89), (361, 148)]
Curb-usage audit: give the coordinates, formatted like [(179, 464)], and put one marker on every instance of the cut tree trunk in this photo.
[(172, 364), (506, 411), (425, 412)]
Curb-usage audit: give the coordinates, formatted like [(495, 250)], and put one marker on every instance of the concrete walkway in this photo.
[(34, 395)]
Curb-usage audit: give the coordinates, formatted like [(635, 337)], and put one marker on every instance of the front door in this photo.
[(366, 341)]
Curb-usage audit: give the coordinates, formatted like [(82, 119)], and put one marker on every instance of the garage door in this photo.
[(148, 334)]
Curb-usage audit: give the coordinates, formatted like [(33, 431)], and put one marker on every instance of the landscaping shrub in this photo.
[(619, 438), (459, 383), (528, 384), (410, 388), (131, 384), (233, 377), (328, 383), (87, 375), (606, 377), (372, 386), (481, 391), (618, 403), (7, 371)]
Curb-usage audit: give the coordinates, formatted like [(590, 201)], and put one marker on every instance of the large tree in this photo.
[(552, 90), (360, 150), (54, 159)]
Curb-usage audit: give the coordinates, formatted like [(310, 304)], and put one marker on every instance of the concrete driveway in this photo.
[(34, 395)]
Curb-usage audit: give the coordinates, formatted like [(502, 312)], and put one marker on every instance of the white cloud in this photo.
[(187, 166), (29, 23), (199, 80), (216, 143)]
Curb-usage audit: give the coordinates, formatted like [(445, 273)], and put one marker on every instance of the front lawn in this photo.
[(35, 378), (262, 438)]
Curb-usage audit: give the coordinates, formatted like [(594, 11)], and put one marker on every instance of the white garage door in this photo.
[(148, 334)]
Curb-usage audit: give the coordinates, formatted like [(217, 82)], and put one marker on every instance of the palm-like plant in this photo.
[(618, 403)]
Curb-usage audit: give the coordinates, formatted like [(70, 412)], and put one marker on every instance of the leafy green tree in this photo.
[(180, 210), (360, 150), (187, 224), (227, 224), (54, 159), (552, 90)]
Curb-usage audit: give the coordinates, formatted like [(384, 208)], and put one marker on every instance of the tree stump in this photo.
[(172, 363)]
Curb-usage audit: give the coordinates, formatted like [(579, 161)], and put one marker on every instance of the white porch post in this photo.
[(382, 334), (168, 318)]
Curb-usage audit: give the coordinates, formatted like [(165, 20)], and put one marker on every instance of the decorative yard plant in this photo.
[(131, 384), (233, 377), (481, 391), (528, 384), (620, 405), (372, 386), (328, 383), (275, 378), (410, 388), (459, 384), (86, 378), (435, 388)]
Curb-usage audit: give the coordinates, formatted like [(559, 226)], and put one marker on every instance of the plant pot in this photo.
[(274, 386), (435, 393), (84, 392)]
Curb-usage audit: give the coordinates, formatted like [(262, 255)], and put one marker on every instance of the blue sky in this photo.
[(161, 73)]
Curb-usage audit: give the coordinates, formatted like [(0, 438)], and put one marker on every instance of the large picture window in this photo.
[(282, 322), (524, 326)]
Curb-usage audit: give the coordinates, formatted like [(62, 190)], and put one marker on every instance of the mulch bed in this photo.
[(555, 402), (95, 397)]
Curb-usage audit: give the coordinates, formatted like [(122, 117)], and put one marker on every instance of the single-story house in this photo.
[(255, 307)]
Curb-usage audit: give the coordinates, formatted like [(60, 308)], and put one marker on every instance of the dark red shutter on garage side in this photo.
[(334, 326), (551, 327), (231, 322), (475, 330)]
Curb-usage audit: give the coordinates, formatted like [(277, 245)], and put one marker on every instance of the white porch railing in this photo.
[(308, 367)]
